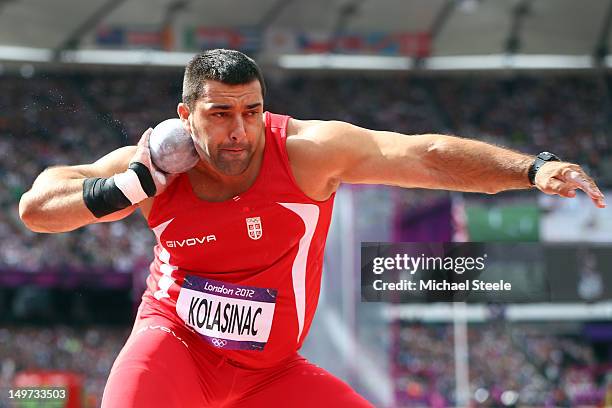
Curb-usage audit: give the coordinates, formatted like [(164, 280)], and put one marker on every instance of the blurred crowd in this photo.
[(567, 115), (508, 366), (88, 351), (66, 119), (56, 119)]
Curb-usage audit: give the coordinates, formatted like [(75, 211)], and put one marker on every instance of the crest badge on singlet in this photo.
[(254, 228)]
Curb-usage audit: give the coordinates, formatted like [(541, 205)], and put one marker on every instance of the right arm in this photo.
[(55, 201)]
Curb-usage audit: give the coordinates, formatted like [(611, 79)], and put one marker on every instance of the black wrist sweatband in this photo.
[(144, 175), (103, 197)]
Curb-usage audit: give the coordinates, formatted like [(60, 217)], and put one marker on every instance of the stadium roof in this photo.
[(457, 27)]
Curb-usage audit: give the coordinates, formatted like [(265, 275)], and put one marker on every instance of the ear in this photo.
[(183, 112)]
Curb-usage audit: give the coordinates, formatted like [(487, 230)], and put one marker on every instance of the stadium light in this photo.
[(506, 61), (127, 57), (345, 62), (27, 54), (435, 63)]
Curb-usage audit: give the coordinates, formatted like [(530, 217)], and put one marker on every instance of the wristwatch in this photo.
[(540, 160)]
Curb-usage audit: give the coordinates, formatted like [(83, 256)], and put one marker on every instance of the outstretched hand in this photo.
[(143, 155), (564, 179)]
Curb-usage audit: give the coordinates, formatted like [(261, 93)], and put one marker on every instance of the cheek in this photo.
[(199, 136), (212, 138), (253, 128), (196, 128), (200, 130)]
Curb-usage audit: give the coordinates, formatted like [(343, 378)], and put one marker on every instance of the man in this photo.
[(240, 237)]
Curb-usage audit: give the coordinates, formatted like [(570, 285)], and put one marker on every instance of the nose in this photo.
[(238, 131)]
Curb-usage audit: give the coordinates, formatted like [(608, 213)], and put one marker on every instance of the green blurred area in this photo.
[(41, 404), (512, 222)]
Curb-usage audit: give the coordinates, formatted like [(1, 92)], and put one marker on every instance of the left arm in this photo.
[(346, 153)]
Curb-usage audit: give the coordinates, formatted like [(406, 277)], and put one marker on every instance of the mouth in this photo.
[(232, 152)]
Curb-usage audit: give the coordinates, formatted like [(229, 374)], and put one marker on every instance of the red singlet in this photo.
[(244, 273), (230, 297)]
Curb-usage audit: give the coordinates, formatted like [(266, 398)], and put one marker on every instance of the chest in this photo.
[(204, 188), (242, 234)]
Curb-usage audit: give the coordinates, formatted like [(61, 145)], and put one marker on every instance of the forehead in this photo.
[(215, 92)]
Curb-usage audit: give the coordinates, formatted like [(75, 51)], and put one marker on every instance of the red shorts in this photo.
[(161, 366)]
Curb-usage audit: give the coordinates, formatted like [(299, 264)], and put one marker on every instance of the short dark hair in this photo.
[(228, 66)]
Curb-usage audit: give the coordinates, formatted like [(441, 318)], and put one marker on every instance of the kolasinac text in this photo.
[(441, 285)]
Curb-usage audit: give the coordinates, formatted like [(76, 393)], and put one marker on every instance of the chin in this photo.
[(234, 169)]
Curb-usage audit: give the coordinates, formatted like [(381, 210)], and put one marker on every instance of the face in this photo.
[(226, 124)]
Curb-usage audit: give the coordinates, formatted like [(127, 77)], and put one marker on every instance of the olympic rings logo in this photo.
[(218, 342)]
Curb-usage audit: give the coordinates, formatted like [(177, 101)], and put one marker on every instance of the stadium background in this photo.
[(78, 79)]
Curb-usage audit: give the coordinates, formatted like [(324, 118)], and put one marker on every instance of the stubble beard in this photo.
[(226, 165), (232, 166)]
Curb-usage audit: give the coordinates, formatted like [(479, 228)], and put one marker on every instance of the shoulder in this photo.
[(319, 131), (316, 152), (318, 137), (330, 144), (329, 136), (308, 143)]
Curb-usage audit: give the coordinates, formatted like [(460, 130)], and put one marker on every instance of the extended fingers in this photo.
[(578, 178)]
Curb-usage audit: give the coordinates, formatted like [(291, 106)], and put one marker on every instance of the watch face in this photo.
[(548, 156), (545, 155)]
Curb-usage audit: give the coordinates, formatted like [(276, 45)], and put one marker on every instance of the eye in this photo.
[(220, 114)]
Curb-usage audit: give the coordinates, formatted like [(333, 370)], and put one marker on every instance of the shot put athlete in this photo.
[(235, 280)]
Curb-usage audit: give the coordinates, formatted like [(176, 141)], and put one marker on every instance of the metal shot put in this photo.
[(171, 146)]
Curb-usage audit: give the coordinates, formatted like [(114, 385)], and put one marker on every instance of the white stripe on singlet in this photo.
[(309, 213)]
